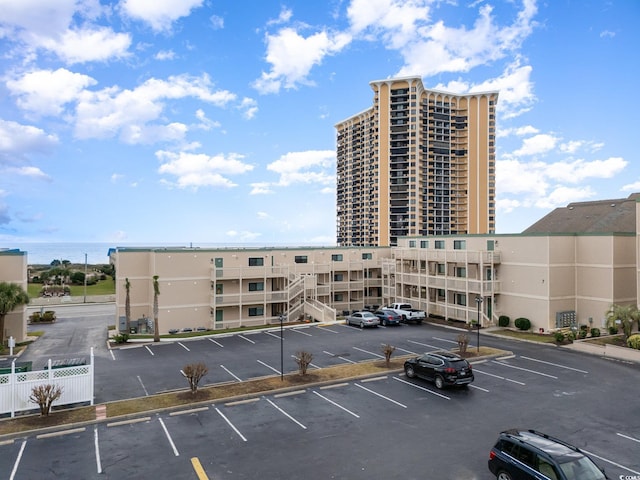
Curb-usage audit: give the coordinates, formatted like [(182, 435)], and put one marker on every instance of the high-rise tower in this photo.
[(418, 162)]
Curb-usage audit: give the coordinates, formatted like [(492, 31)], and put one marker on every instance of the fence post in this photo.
[(13, 388), (50, 371), (91, 376)]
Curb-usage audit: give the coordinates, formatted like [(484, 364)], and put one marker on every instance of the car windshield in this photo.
[(582, 469)]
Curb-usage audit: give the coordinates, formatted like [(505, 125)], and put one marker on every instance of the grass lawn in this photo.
[(535, 337), (103, 287)]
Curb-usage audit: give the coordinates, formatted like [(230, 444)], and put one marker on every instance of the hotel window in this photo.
[(256, 311), (459, 244), (424, 243), (338, 277), (367, 256), (461, 299), (337, 257), (219, 288), (338, 297), (439, 244), (441, 269), (256, 261), (461, 272), (412, 244), (300, 259), (256, 286), (219, 315)]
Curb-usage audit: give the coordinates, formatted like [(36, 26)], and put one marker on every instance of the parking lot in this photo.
[(381, 427)]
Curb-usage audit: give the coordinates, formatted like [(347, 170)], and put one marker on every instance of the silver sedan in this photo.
[(363, 319)]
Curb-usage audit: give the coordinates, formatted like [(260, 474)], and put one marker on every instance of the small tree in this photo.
[(303, 359), (44, 396), (463, 343), (12, 296), (194, 373), (622, 317), (127, 301), (388, 350)]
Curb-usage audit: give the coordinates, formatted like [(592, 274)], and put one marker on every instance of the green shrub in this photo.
[(503, 321), (49, 316), (35, 317), (595, 332), (559, 337), (582, 333), (522, 323), (121, 338), (613, 330), (634, 341)]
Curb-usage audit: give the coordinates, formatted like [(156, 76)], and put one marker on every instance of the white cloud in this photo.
[(17, 141), (86, 45), (46, 92), (249, 107), (112, 111), (284, 17), (292, 57), (201, 170), (165, 55), (159, 14), (261, 188), (538, 144), (580, 170), (563, 195), (33, 172), (313, 166), (517, 131), (217, 22), (244, 236)]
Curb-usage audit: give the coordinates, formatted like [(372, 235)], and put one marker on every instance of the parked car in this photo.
[(407, 312), (363, 319), (442, 368), (528, 454), (387, 317)]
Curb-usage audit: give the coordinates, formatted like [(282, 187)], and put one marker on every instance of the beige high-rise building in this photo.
[(418, 162)]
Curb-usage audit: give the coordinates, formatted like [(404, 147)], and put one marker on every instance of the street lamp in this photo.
[(479, 302), (282, 315)]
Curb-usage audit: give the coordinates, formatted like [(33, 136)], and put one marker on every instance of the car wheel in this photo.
[(439, 382), (404, 318), (361, 324), (502, 475), (408, 370), (419, 322), (384, 322)]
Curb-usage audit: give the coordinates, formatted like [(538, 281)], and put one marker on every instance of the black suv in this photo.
[(442, 368), (529, 455)]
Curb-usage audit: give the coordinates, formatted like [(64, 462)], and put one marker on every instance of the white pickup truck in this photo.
[(407, 313)]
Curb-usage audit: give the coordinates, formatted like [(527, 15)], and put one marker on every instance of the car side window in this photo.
[(545, 468), (507, 447), (526, 456)]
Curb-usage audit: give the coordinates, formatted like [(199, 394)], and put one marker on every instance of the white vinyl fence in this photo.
[(76, 383)]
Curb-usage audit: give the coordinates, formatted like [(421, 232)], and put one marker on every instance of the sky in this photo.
[(212, 121)]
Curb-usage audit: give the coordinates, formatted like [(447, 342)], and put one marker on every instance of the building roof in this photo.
[(602, 216)]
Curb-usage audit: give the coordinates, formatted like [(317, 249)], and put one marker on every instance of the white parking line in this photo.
[(229, 372), (166, 432), (338, 356), (525, 369), (478, 388), (147, 347), (337, 405), (286, 414), (403, 350), (554, 364), (627, 437), (299, 330), (231, 425), (381, 396), (370, 353), (425, 345), (445, 340), (143, 387), (311, 364), (97, 447), (475, 370), (217, 343), (611, 462), (274, 335), (183, 346), (17, 462), (327, 329), (247, 339), (112, 355), (422, 388), (268, 366)]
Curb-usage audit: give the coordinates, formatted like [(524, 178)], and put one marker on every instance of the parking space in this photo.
[(370, 428)]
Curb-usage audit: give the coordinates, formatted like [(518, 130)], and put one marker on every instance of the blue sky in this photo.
[(212, 121)]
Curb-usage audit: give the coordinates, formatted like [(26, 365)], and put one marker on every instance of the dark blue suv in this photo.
[(531, 455)]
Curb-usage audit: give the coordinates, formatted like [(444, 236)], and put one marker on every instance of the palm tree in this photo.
[(156, 324), (127, 301), (626, 315), (12, 295)]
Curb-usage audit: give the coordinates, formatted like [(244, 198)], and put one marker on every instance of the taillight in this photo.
[(470, 367), (492, 455), (449, 370)]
